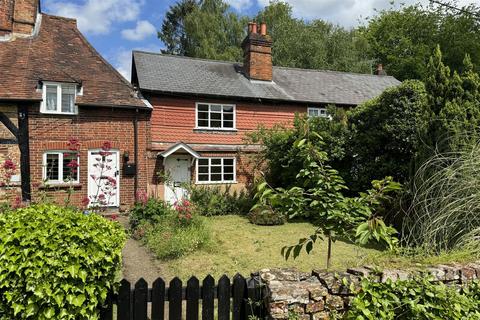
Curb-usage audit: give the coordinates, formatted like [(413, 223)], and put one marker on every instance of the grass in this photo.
[(241, 247)]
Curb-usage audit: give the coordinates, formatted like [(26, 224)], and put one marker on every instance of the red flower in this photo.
[(113, 217), (107, 145), (85, 201), (141, 197), (73, 144), (9, 165), (73, 164), (17, 203)]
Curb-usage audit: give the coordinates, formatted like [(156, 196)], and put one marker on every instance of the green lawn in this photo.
[(239, 246)]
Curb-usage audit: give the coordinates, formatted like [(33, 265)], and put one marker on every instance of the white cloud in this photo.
[(347, 13), (122, 59), (143, 30), (240, 5), (96, 16)]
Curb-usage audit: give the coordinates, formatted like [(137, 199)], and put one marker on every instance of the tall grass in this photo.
[(445, 210)]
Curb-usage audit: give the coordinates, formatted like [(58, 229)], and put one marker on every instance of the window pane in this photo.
[(203, 162), (203, 115), (228, 162), (51, 98), (216, 169), (215, 116), (203, 123), (215, 108), (70, 170), (203, 107), (228, 109), (216, 161), (203, 177), (228, 116), (228, 124), (228, 177), (202, 169), (68, 102), (228, 169), (215, 123), (52, 167), (216, 177)]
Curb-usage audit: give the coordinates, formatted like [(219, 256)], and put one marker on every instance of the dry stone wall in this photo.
[(320, 294)]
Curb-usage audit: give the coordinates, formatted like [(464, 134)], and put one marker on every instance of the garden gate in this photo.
[(237, 300)]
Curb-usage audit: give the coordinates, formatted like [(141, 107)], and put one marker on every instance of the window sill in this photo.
[(75, 185), (60, 113), (213, 183), (210, 130)]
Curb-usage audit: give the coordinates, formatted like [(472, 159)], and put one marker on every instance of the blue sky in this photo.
[(116, 27)]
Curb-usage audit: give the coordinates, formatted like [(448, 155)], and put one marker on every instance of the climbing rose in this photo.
[(9, 165)]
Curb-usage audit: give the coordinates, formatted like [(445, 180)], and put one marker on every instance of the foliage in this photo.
[(445, 204), (266, 216), (403, 39), (147, 211), (56, 263), (414, 299), (283, 159), (219, 200), (170, 236), (386, 135), (318, 195)]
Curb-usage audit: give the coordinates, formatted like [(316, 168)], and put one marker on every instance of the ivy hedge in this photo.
[(56, 263)]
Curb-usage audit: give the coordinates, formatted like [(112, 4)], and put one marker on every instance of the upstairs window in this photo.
[(60, 167), (59, 98), (215, 116), (216, 170), (318, 112)]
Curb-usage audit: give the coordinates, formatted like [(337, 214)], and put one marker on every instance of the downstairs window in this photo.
[(216, 170), (60, 167)]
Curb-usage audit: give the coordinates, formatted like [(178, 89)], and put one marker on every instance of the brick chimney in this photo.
[(380, 71), (257, 53), (18, 16)]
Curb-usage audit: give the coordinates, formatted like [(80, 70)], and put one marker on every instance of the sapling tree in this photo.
[(319, 195)]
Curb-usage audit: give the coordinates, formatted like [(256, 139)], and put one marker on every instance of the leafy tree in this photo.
[(318, 195), (173, 32), (386, 135)]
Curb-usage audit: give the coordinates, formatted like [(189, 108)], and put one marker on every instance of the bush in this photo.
[(56, 263), (172, 236), (414, 299), (216, 201), (266, 217), (147, 211)]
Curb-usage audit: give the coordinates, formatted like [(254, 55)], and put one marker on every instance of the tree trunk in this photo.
[(329, 251)]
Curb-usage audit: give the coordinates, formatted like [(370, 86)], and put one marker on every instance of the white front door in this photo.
[(177, 168), (103, 178)]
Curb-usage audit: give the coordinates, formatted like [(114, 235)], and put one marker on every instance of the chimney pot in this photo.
[(379, 71), (254, 27), (263, 29)]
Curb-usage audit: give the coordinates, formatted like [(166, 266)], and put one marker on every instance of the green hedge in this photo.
[(56, 263)]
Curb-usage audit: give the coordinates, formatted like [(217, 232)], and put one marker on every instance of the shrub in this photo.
[(265, 216), (147, 211), (216, 201), (56, 263), (414, 299), (172, 236)]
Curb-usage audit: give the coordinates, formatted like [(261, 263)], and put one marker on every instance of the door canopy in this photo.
[(179, 147)]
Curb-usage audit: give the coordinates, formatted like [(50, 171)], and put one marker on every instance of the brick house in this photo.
[(54, 86), (202, 109)]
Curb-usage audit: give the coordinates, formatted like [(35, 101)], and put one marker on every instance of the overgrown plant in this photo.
[(319, 195), (444, 213)]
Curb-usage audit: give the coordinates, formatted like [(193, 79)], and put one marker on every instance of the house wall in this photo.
[(92, 126), (173, 121)]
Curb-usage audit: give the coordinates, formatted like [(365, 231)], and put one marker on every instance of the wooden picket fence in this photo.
[(237, 300)]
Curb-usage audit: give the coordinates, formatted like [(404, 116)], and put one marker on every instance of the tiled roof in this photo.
[(180, 75), (59, 52)]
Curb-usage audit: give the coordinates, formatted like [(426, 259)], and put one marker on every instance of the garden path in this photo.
[(138, 262)]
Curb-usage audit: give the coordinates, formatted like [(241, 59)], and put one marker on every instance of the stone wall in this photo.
[(320, 294)]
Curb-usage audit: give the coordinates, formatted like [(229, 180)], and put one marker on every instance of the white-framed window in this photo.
[(317, 112), (215, 116), (60, 167), (59, 98), (216, 170)]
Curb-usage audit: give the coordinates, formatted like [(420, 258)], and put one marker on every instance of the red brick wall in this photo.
[(6, 15), (173, 120), (24, 16), (92, 126)]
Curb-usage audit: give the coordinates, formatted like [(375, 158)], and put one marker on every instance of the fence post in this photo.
[(192, 296), (208, 296), (106, 311), (239, 294), (123, 302), (175, 299), (158, 299), (224, 294), (140, 300)]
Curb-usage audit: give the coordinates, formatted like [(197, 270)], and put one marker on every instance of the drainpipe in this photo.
[(135, 151)]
